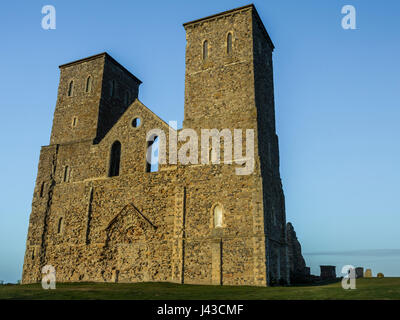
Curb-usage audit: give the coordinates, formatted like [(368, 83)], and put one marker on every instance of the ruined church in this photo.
[(101, 213)]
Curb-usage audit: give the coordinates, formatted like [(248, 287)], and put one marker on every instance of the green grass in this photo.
[(386, 288)]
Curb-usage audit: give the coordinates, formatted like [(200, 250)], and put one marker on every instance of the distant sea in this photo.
[(386, 261)]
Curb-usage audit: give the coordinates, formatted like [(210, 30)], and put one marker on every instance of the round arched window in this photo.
[(136, 122), (218, 216)]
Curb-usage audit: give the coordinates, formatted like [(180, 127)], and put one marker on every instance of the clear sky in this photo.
[(337, 106)]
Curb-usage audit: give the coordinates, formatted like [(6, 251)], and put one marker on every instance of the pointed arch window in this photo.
[(229, 43), (115, 158), (205, 49), (218, 216), (89, 84), (70, 88)]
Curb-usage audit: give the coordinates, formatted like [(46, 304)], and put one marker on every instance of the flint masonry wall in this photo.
[(159, 226)]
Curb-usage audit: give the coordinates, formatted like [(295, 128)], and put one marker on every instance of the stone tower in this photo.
[(100, 214), (89, 101), (229, 84)]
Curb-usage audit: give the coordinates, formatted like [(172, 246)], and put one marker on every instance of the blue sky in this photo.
[(337, 106)]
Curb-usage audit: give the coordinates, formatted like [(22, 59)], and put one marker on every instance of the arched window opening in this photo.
[(152, 155), (115, 159), (229, 43), (74, 121), (60, 225), (33, 254), (218, 216), (67, 172), (205, 50), (70, 88), (112, 88), (89, 84)]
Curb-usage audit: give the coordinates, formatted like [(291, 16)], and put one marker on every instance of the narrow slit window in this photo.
[(218, 216), (60, 225), (41, 190), (229, 43), (70, 88), (66, 173), (205, 50), (152, 155), (89, 84), (115, 159)]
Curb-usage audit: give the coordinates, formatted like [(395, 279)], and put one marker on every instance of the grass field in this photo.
[(386, 288)]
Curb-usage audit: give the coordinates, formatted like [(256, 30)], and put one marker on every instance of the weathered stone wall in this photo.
[(159, 226), (297, 264)]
